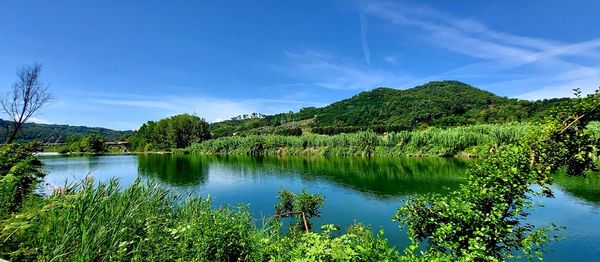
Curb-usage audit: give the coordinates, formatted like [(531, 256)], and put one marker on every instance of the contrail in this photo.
[(364, 40)]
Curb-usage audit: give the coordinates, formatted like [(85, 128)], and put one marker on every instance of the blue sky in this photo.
[(118, 64)]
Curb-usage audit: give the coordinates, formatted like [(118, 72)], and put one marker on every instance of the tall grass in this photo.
[(432, 141), (141, 222), (146, 223)]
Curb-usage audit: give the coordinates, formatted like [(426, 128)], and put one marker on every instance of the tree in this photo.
[(92, 143), (484, 220), (302, 207), (178, 131), (185, 129), (20, 173), (27, 96)]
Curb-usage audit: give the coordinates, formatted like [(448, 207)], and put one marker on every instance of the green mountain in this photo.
[(50, 133), (440, 103)]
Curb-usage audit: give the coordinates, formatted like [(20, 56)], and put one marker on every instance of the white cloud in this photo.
[(37, 120), (364, 39), (212, 109), (392, 59), (328, 71), (551, 67)]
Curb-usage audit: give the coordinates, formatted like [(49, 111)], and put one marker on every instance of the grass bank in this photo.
[(143, 222), (430, 142)]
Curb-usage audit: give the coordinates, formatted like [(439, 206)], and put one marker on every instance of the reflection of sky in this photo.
[(582, 234), (344, 204), (75, 169)]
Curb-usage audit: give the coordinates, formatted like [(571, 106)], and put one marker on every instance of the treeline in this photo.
[(50, 133), (436, 104), (439, 104), (178, 131), (90, 143), (431, 142), (484, 220)]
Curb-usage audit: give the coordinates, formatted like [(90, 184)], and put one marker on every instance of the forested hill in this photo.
[(440, 103), (50, 133)]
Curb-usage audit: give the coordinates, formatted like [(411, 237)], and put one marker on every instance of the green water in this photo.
[(355, 189)]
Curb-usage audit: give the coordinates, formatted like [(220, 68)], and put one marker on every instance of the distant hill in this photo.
[(57, 133), (439, 103)]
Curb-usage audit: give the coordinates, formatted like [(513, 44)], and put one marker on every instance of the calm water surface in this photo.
[(355, 189)]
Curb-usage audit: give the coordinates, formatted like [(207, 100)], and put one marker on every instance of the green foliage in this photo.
[(89, 143), (20, 173), (357, 244), (431, 141), (484, 219), (51, 133), (302, 207), (178, 131), (146, 223), (289, 132), (438, 104), (92, 143), (141, 222)]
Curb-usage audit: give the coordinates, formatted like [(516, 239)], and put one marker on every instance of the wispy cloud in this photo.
[(552, 67), (364, 39), (213, 109), (334, 72)]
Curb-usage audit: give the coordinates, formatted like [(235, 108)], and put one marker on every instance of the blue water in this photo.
[(355, 189)]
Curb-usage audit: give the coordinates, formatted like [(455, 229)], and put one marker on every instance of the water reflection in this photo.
[(380, 176), (356, 189), (176, 170), (586, 188)]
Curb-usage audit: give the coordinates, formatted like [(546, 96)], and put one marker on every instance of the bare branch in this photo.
[(27, 96)]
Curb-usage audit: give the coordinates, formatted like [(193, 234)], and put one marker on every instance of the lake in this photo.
[(355, 189)]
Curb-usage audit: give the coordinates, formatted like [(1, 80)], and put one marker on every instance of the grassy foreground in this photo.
[(429, 142), (145, 222)]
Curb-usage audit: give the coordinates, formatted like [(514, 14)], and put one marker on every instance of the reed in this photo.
[(143, 222), (432, 142)]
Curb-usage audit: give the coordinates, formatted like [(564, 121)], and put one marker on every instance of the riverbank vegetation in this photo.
[(428, 142), (89, 143), (169, 133), (144, 222), (484, 220), (439, 104)]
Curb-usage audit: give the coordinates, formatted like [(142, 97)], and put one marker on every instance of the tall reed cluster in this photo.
[(432, 141), (105, 222)]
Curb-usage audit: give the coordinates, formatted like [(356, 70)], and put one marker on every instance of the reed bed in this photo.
[(431, 142), (143, 222)]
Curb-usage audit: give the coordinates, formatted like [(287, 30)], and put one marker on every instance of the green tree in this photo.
[(185, 129), (302, 207), (174, 132), (20, 172), (484, 220), (92, 143)]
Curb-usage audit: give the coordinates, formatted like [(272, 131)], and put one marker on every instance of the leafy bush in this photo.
[(484, 220), (145, 222), (302, 207), (20, 173), (357, 244)]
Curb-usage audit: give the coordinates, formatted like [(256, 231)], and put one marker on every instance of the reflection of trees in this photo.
[(380, 176), (93, 162), (174, 169), (586, 188)]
